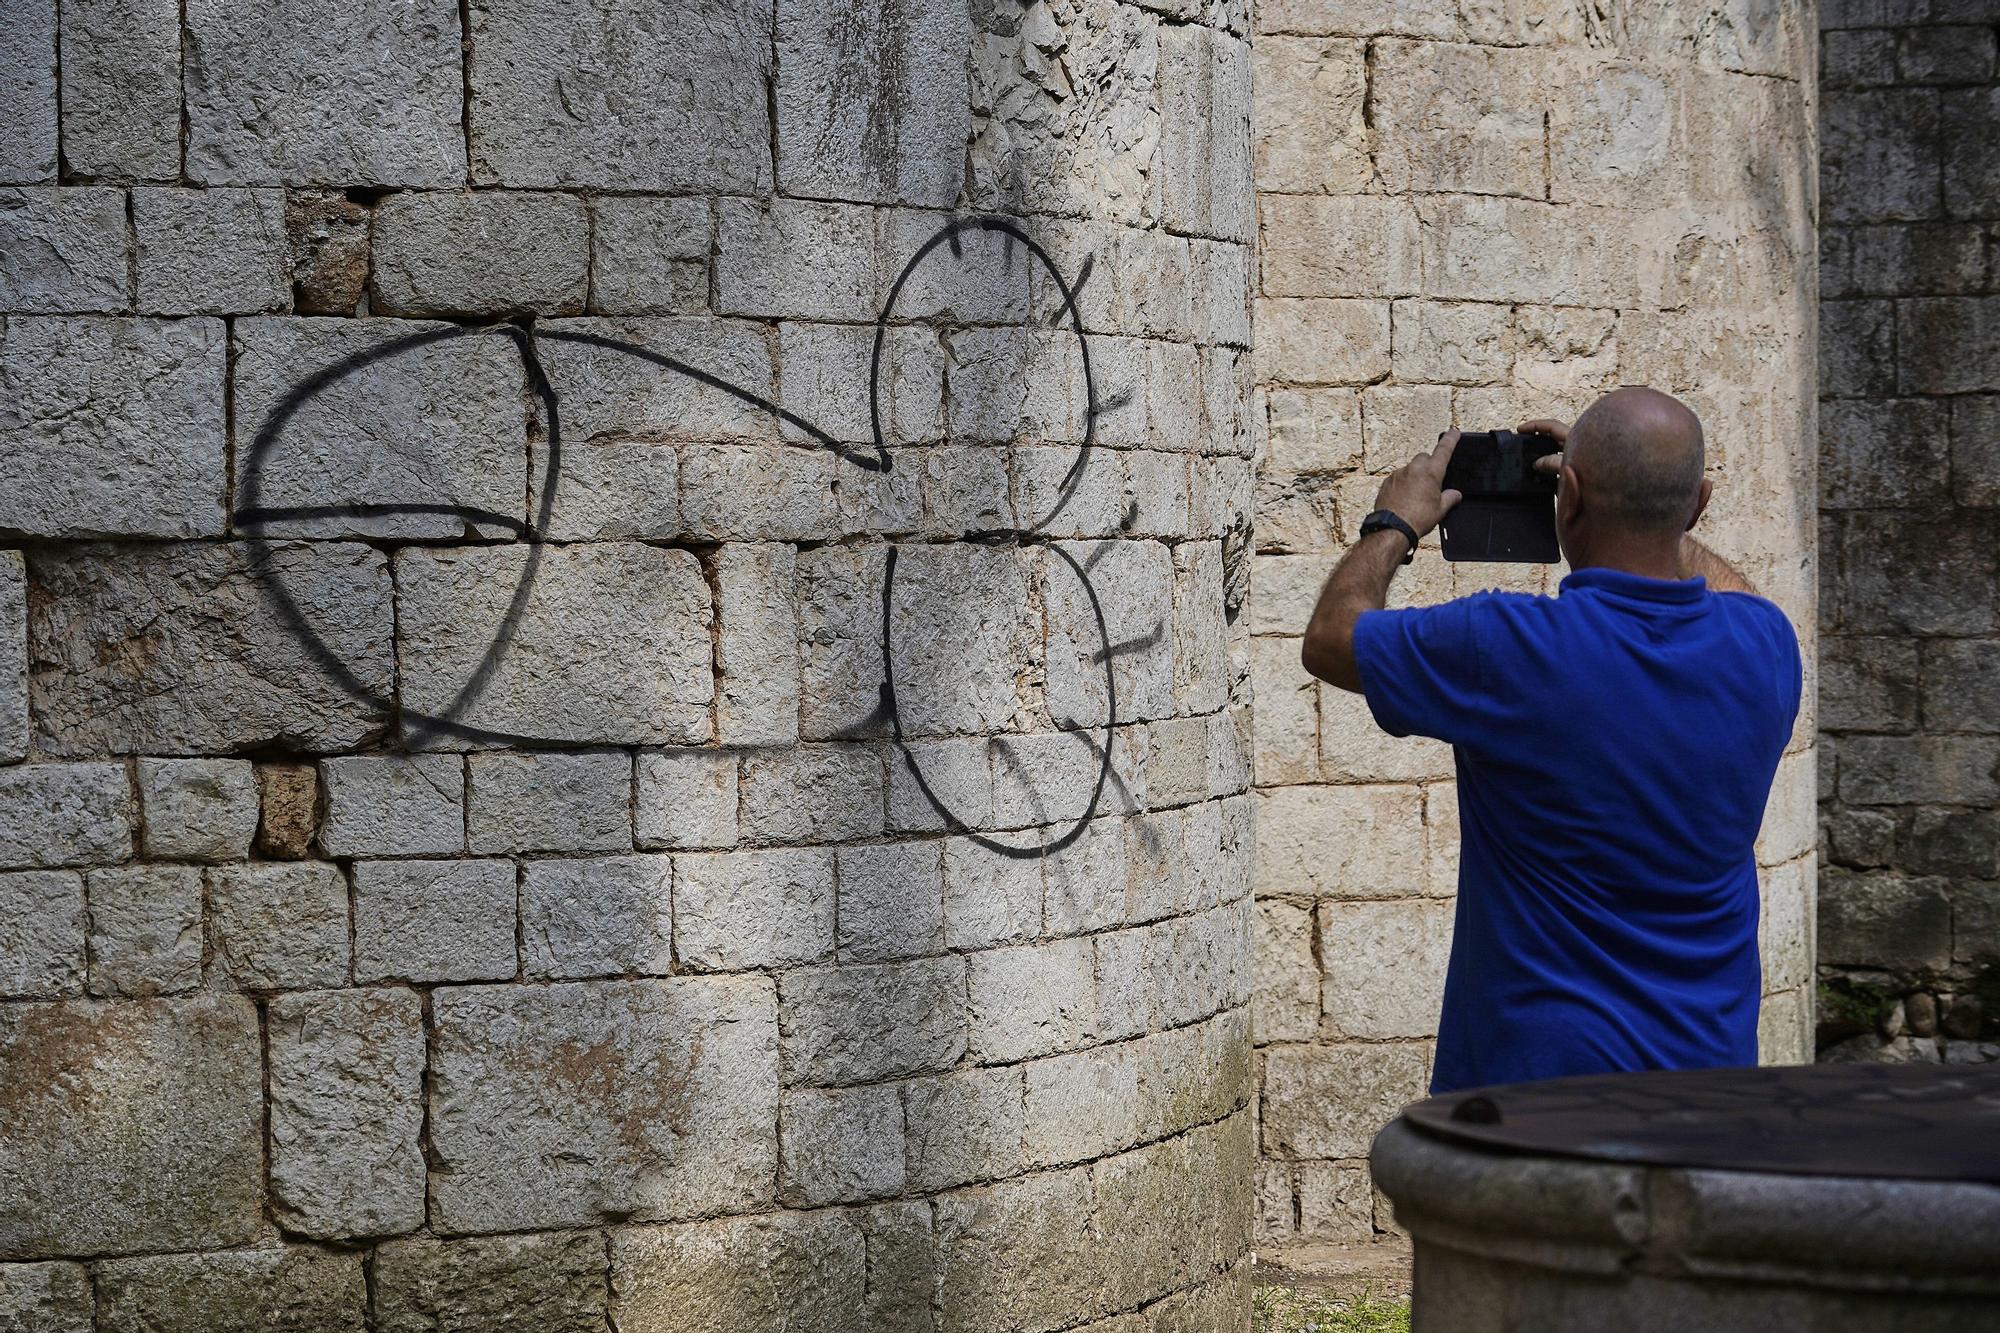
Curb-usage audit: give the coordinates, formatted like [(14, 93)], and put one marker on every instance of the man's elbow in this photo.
[(1330, 657)]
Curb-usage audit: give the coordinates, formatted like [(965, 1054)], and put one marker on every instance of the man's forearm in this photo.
[(1698, 560), (1360, 582)]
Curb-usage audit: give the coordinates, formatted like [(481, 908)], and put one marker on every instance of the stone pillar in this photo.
[(621, 691), (1473, 214), (1910, 526)]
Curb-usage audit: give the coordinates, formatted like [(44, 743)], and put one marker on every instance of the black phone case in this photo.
[(1514, 530)]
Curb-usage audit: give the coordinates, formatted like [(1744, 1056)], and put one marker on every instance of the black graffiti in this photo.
[(255, 518)]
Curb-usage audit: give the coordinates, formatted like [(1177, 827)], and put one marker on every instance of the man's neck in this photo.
[(1651, 560)]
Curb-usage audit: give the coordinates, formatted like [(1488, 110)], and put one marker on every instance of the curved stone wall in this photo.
[(621, 695), (1473, 214)]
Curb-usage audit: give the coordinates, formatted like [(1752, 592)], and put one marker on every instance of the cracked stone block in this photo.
[(1312, 132), (440, 423), (756, 650), (393, 805), (280, 96), (551, 802), (649, 1100), (133, 1127), (293, 1289), (111, 427), (180, 649), (121, 88), (28, 89), (198, 809), (424, 921), (328, 235), (649, 256), (553, 1284), (862, 1024), (612, 644), (578, 94), (963, 1126), (744, 909), (873, 101), (46, 1298), (742, 1275), (63, 250), (685, 800), (491, 253), (280, 925), (597, 916), (219, 251), (64, 815), (41, 934), (145, 930), (347, 1073)]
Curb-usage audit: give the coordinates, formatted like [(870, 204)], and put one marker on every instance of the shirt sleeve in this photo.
[(1420, 668)]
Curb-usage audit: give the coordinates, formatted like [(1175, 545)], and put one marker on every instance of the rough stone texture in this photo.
[(145, 930), (294, 1289), (737, 910), (281, 925), (649, 256), (198, 809), (130, 1127), (28, 86), (346, 1106), (121, 89), (553, 1106), (597, 916), (859, 1024), (64, 814), (220, 251), (45, 1298), (13, 657), (328, 235), (685, 800), (282, 96), (111, 428), (491, 253), (557, 1283), (287, 810), (551, 802), (41, 940), (425, 921), (393, 805), (742, 1274), (63, 250)]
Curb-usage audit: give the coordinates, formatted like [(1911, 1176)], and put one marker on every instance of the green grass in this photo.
[(1282, 1310)]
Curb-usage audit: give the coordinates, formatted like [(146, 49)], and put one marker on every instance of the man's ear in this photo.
[(1569, 497), (1700, 503)]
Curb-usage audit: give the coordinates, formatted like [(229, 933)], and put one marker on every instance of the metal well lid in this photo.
[(1902, 1122)]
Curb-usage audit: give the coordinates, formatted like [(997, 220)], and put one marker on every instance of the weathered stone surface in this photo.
[(427, 921), (221, 251), (64, 814), (346, 1105), (283, 97), (607, 489), (121, 77), (130, 1127), (46, 1298), (198, 809), (280, 925), (743, 1275), (554, 1284), (1031, 1000), (13, 656), (393, 805), (841, 1145), (891, 901), (795, 258), (649, 256), (145, 930), (570, 95), (63, 250), (551, 802), (328, 233), (41, 934), (1328, 1101), (597, 916), (812, 793), (1458, 118), (1975, 464), (612, 644), (288, 810), (556, 1105), (860, 1024), (296, 1289), (1337, 841), (963, 1126), (1350, 246), (1901, 770), (111, 427), (1884, 452), (685, 800), (1384, 964), (1019, 1253), (1312, 131), (1946, 344), (759, 493), (989, 898), (1491, 249), (1204, 132), (745, 909), (1878, 157), (1611, 138), (1883, 920), (28, 86), (1285, 1006), (491, 253), (1868, 684), (873, 103), (1323, 341), (181, 650), (756, 651), (609, 394)]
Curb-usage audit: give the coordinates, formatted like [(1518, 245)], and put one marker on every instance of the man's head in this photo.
[(1631, 476)]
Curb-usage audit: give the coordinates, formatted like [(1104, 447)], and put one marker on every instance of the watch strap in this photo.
[(1387, 520)]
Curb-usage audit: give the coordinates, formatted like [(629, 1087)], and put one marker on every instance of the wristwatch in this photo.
[(1385, 520)]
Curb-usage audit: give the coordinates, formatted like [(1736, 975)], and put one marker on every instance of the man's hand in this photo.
[(1415, 491), (1557, 430)]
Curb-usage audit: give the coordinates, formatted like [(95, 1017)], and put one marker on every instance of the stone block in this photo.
[(28, 76), (288, 810), (1611, 137), (121, 89), (665, 391), (597, 916), (425, 921), (1790, 827), (989, 897), (1287, 719), (63, 250), (1313, 134), (1452, 118), (1311, 431), (328, 233), (64, 814), (861, 1024), (1975, 451), (1785, 924), (1174, 1207), (113, 428), (1285, 1004), (498, 252), (757, 644), (1441, 342), (649, 256), (1022, 1253), (1879, 155), (840, 641), (825, 379), (1031, 1000), (1967, 119), (1338, 842), (841, 1145), (963, 1126), (609, 489), (555, 1283), (1962, 685), (795, 259), (151, 1141), (1352, 748), (393, 805), (686, 93), (1328, 1101), (611, 644), (891, 901), (289, 1289), (280, 925), (735, 910), (220, 251), (1083, 1105), (1945, 258), (1857, 349), (956, 785), (1133, 582), (1083, 884), (198, 809), (1205, 154), (873, 104), (1948, 344), (347, 1106), (1008, 384), (1941, 582), (649, 1100), (1884, 453), (46, 1298), (1323, 341), (1370, 18), (742, 1275), (1336, 1202), (685, 800), (1883, 920), (145, 930), (1945, 54), (440, 424), (13, 657), (1384, 966), (812, 793), (279, 97), (1864, 58), (774, 493), (957, 628), (965, 490), (1491, 249), (42, 938), (580, 802)]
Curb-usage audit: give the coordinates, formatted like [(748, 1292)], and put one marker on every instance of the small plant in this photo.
[(1283, 1310)]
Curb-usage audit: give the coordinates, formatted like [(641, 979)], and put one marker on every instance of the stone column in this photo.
[(1473, 214), (621, 691)]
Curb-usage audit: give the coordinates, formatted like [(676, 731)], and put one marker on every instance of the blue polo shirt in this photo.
[(1615, 749)]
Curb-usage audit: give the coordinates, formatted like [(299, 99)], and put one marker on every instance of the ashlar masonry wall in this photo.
[(623, 688), (1470, 214)]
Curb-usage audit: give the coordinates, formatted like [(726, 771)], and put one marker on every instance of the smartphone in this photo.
[(1508, 515)]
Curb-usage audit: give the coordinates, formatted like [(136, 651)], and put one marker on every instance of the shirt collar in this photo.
[(1638, 585)]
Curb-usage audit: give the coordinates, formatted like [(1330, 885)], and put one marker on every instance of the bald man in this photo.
[(1615, 747)]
